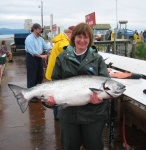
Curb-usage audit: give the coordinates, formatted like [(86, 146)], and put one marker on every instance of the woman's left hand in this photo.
[(95, 99), (51, 101)]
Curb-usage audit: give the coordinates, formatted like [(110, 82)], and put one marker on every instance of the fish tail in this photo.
[(17, 91)]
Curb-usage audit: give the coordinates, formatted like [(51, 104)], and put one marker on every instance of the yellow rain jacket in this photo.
[(59, 41), (135, 36)]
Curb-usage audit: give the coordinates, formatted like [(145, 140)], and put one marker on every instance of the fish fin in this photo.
[(96, 90), (17, 91)]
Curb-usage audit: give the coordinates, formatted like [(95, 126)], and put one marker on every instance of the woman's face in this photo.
[(81, 42)]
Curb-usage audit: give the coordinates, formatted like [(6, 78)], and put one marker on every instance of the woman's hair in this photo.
[(3, 42), (82, 28)]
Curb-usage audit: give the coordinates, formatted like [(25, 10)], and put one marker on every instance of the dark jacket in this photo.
[(68, 66), (108, 35), (144, 34)]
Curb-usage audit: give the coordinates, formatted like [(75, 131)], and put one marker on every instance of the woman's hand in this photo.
[(50, 101), (95, 99)]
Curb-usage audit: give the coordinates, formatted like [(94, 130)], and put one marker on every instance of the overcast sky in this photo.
[(71, 12)]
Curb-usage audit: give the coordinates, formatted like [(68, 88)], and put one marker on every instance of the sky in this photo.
[(71, 12)]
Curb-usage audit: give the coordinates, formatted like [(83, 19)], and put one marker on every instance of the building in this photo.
[(100, 30)]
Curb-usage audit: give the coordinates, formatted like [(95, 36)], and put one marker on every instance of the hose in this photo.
[(123, 131)]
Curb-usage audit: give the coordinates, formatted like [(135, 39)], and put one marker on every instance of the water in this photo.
[(6, 36)]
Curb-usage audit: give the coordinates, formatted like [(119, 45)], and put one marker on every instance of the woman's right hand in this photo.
[(50, 101)]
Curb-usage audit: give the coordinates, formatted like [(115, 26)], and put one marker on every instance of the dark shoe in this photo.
[(11, 61), (34, 100), (56, 119)]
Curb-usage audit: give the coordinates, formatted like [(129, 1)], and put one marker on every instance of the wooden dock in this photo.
[(133, 103)]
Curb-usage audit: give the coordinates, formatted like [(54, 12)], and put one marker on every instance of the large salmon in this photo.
[(74, 91)]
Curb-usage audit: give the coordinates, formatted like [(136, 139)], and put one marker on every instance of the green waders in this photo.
[(88, 135)]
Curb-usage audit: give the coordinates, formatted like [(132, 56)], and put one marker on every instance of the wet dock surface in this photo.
[(33, 130), (36, 129)]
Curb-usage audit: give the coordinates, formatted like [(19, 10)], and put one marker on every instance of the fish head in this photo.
[(113, 88)]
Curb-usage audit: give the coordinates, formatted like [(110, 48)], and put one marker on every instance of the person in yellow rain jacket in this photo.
[(59, 41), (135, 36)]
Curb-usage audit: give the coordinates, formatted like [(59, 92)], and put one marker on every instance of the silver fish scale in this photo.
[(73, 90)]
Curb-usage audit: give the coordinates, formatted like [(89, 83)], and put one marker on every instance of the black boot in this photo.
[(11, 61)]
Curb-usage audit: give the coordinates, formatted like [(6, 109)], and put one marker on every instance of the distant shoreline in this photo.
[(7, 39), (10, 36)]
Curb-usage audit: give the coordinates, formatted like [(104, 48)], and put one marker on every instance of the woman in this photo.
[(81, 125), (4, 50)]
